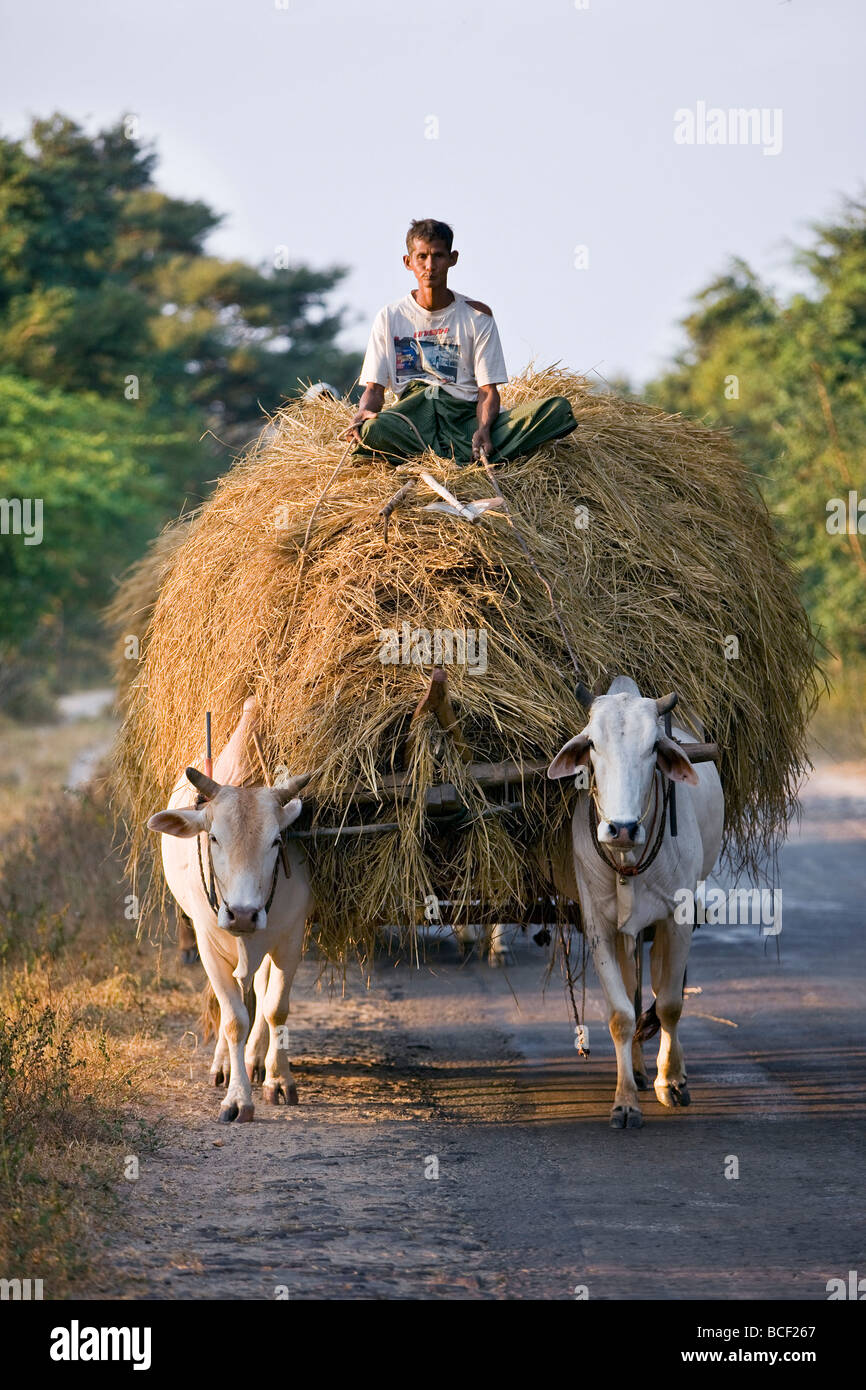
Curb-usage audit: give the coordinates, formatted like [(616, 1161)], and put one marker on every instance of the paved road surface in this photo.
[(535, 1195)]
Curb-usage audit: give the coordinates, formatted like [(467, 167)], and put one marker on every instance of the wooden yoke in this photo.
[(437, 700)]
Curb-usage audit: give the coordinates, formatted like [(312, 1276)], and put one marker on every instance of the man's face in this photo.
[(430, 262)]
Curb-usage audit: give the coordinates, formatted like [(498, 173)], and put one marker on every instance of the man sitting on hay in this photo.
[(440, 353)]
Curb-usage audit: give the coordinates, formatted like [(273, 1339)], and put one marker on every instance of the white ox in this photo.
[(248, 938), (627, 754)]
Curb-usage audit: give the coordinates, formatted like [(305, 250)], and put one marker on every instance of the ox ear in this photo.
[(570, 757), (290, 812), (181, 823), (672, 761)]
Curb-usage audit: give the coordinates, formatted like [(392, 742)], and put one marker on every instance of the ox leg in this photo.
[(499, 950), (186, 942), (234, 1025), (467, 935), (219, 1067), (257, 1042), (605, 947), (279, 1086), (626, 954), (670, 952)]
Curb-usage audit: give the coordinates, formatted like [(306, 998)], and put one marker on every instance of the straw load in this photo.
[(129, 613), (664, 566)]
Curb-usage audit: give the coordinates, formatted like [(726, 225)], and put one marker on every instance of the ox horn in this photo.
[(665, 703), (584, 694), (295, 784), (206, 785)]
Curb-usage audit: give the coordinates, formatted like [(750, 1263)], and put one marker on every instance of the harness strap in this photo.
[(632, 870), (210, 889)]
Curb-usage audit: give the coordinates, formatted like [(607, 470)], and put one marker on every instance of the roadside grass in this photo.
[(63, 1124), (83, 1006), (35, 762)]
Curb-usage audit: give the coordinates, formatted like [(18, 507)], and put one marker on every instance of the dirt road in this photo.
[(444, 1070)]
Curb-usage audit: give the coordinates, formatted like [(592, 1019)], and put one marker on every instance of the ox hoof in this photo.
[(218, 1077), (625, 1117), (228, 1113), (189, 956), (500, 959), (278, 1093), (642, 1081), (245, 1114), (673, 1096), (257, 1074)]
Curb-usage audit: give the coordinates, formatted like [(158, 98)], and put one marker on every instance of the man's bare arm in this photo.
[(486, 411), (368, 408)]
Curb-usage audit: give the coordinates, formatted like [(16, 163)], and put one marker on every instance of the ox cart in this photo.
[(502, 785), (446, 810)]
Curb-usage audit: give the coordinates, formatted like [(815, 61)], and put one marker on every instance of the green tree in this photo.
[(122, 342), (102, 276), (789, 378), (101, 481)]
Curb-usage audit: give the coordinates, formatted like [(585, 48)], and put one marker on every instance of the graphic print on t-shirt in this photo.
[(426, 354)]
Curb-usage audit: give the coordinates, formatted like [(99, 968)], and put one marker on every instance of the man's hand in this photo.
[(368, 408), (354, 430), (481, 442)]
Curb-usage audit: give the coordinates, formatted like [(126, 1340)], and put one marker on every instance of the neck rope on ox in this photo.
[(627, 871), (210, 888)]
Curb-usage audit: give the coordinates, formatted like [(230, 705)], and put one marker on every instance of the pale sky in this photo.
[(306, 122)]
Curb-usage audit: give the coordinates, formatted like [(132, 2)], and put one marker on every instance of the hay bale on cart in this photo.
[(658, 550)]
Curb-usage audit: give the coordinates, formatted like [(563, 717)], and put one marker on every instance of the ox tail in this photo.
[(209, 1013), (648, 1024)]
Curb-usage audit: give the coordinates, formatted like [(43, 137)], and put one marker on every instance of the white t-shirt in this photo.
[(458, 347)]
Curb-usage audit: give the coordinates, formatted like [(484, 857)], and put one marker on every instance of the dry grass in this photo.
[(35, 761), (64, 1126), (81, 1002), (678, 554)]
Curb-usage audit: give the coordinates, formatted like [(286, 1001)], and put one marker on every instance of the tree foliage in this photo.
[(788, 376), (103, 276), (104, 482), (122, 343)]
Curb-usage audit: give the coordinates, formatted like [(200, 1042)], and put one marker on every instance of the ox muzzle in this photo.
[(241, 921), (622, 834)]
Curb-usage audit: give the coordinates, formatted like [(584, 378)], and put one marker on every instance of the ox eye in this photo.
[(213, 839)]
